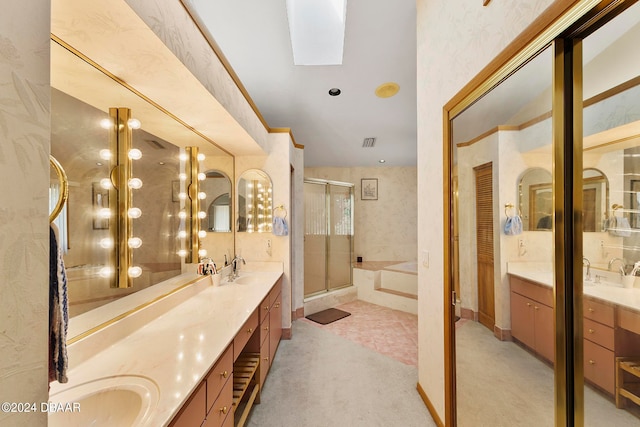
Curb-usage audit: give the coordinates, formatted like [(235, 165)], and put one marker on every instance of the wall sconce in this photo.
[(121, 211), (190, 213)]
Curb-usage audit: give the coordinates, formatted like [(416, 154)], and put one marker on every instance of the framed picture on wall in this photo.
[(369, 189)]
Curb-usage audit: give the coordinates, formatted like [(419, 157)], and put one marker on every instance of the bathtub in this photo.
[(390, 284)]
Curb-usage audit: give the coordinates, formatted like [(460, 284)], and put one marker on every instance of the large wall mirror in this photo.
[(536, 203), (81, 98)]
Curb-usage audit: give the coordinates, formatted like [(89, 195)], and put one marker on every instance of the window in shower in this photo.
[(328, 235)]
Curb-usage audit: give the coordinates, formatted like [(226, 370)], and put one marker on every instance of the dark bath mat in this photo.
[(327, 316)]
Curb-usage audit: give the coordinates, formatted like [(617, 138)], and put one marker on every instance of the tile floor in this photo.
[(390, 332)]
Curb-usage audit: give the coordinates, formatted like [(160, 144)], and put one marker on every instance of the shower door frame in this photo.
[(327, 185)]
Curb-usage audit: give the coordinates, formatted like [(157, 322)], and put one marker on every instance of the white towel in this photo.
[(619, 226), (280, 227)]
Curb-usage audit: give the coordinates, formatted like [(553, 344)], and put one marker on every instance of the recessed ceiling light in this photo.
[(381, 160), (387, 90), (334, 91)]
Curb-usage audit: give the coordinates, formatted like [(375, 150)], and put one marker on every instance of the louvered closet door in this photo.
[(484, 240)]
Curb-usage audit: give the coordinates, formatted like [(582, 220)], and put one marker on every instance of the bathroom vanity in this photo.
[(611, 324), (198, 356)]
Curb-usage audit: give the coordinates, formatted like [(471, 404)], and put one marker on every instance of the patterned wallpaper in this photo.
[(24, 180)]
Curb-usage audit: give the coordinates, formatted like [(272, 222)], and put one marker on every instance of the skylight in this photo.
[(316, 29)]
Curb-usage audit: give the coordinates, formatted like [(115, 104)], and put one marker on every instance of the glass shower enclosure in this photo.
[(328, 235)]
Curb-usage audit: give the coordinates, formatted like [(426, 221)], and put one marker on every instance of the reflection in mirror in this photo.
[(254, 202), (217, 204), (535, 201), (494, 142), (595, 199), (81, 98)]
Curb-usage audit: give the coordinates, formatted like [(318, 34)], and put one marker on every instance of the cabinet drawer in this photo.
[(244, 334), (222, 406), (598, 311), (265, 361), (194, 411), (629, 320), (275, 292), (598, 333), (264, 307), (264, 329), (539, 293), (599, 365), (219, 375)]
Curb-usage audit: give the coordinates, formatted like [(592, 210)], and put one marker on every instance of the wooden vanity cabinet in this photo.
[(599, 340), (532, 316), (271, 330)]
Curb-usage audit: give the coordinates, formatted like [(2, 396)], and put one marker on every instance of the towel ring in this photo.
[(278, 209), (508, 207), (64, 188)]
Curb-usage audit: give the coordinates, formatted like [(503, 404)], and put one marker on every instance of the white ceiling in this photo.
[(380, 47)]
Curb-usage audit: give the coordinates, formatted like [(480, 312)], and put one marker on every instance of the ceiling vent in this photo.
[(368, 142), (155, 144)]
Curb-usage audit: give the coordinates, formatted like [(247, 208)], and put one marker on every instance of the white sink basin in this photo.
[(125, 400), (249, 279)]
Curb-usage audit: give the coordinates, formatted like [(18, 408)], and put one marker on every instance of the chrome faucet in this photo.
[(587, 277), (623, 263), (234, 266)]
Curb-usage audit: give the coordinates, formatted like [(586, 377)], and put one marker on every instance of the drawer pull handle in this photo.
[(266, 307), (591, 331), (528, 304), (591, 362), (266, 359), (224, 374), (277, 305), (266, 328), (250, 330), (536, 307), (224, 410), (591, 310)]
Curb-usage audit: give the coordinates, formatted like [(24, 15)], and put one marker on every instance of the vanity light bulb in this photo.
[(134, 123), (182, 234), (105, 154), (182, 215), (135, 154), (106, 272), (134, 242), (135, 183), (106, 123), (105, 183), (201, 157), (183, 157), (134, 271), (202, 176), (134, 213), (106, 243), (182, 253), (202, 234), (104, 213), (182, 196), (250, 185), (202, 214), (250, 196), (182, 177), (269, 190), (202, 195), (202, 252)]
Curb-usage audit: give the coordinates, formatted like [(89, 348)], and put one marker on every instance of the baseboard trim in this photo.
[(430, 407), (467, 313), (298, 313), (286, 333), (502, 334)]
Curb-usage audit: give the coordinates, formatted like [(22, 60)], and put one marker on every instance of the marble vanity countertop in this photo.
[(176, 349), (542, 273)]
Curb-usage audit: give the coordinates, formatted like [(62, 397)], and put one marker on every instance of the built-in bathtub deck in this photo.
[(389, 283)]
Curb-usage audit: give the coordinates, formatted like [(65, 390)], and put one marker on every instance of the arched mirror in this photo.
[(217, 187), (595, 192), (254, 202), (535, 199)]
